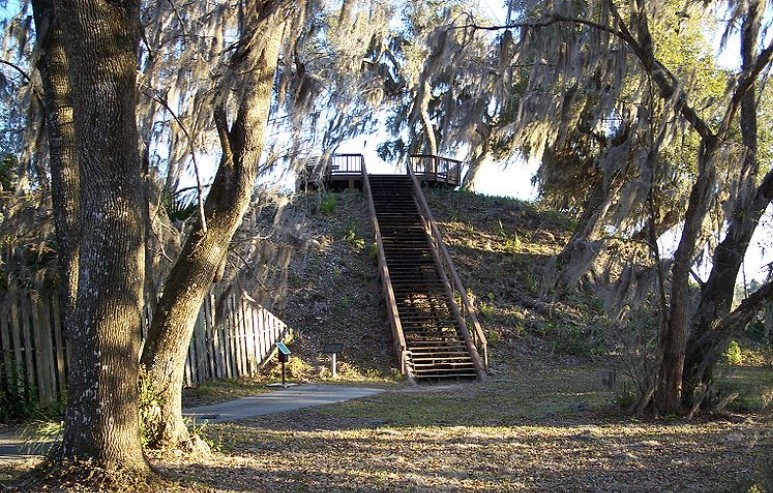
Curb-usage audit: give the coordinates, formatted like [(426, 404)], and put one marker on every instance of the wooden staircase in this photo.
[(430, 328)]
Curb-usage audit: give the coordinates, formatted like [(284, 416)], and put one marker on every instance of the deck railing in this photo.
[(436, 168), (346, 164), (458, 300), (398, 337)]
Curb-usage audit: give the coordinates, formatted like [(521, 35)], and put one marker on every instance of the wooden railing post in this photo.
[(436, 168), (389, 295), (475, 338)]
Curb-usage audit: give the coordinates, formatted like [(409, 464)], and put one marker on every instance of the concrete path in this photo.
[(14, 447), (277, 401)]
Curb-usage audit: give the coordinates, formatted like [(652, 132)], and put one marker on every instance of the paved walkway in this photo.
[(280, 400), (14, 447)]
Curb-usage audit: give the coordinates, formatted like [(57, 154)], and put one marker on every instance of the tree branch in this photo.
[(200, 196), (18, 69), (741, 316), (662, 77)]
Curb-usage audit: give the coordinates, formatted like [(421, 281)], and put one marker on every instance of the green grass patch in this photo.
[(223, 390), (329, 204), (753, 384), (494, 402)]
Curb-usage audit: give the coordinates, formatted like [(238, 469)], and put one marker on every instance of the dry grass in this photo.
[(547, 430), (550, 431)]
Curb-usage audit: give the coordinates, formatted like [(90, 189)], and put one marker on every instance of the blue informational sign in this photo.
[(282, 348)]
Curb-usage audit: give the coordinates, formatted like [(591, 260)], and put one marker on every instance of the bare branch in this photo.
[(17, 68), (148, 91)]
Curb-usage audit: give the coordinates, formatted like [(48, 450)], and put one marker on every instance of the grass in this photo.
[(553, 430), (753, 384), (494, 402), (223, 390)]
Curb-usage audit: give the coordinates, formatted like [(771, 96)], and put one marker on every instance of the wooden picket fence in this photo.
[(232, 337)]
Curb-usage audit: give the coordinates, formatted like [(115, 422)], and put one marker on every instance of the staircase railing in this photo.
[(398, 337), (463, 311), (437, 169)]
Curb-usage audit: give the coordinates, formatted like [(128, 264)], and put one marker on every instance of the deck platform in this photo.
[(344, 171)]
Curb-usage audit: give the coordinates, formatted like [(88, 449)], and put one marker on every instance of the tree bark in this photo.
[(573, 261), (672, 339), (65, 177), (102, 420), (204, 251), (422, 104), (717, 294)]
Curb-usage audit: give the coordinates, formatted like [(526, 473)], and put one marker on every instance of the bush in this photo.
[(487, 311), (353, 240), (329, 204), (733, 354)]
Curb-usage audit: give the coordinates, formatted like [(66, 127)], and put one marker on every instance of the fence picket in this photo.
[(5, 339), (59, 344), (232, 319), (44, 354), (243, 337), (251, 342), (210, 331), (29, 347), (35, 353), (18, 369), (201, 348)]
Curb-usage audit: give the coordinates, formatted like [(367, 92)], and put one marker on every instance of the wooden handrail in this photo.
[(476, 339), (346, 164), (440, 169), (389, 295)]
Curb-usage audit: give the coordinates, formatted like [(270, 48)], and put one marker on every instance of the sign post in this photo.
[(333, 349), (284, 357)]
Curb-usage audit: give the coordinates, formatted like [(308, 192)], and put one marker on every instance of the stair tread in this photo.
[(436, 348)]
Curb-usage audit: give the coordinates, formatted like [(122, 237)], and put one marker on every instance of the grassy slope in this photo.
[(542, 422), (498, 246)]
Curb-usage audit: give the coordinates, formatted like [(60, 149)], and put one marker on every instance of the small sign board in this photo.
[(283, 349), (333, 348)]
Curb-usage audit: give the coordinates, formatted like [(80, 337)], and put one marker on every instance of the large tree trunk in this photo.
[(672, 339), (717, 294), (422, 100), (65, 180), (102, 420), (204, 251)]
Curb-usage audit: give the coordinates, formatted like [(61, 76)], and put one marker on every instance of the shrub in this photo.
[(733, 354), (353, 240), (487, 311), (329, 204)]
